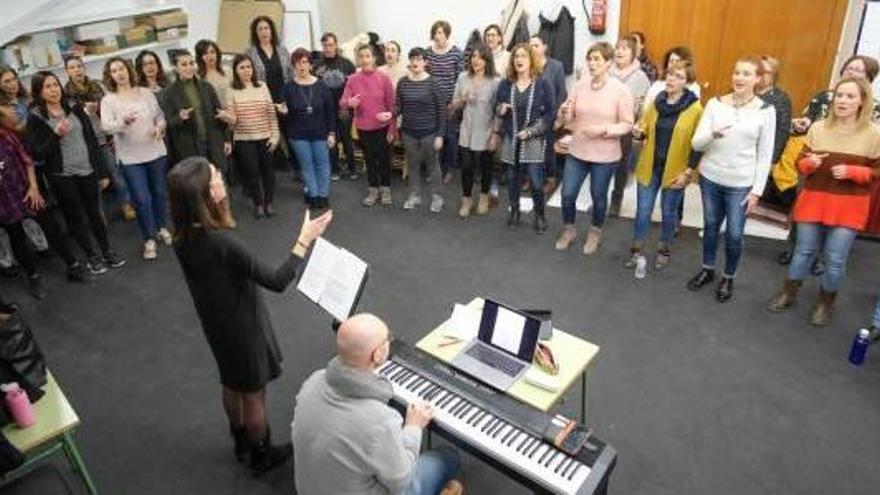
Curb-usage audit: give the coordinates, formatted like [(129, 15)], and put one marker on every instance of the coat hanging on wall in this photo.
[(514, 24), (559, 34), (473, 40)]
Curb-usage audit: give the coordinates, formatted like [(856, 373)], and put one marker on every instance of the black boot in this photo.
[(784, 257), (320, 205), (265, 456), (242, 445), (513, 217), (8, 307), (725, 289), (540, 221), (702, 278)]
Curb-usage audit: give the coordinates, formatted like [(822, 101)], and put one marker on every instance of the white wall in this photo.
[(409, 21)]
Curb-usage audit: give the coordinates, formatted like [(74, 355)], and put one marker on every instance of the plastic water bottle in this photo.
[(641, 266), (859, 347), (19, 405)]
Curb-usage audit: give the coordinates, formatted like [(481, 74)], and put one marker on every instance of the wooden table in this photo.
[(574, 355), (53, 431)]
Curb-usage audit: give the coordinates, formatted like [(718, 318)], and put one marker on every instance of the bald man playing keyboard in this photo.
[(348, 440)]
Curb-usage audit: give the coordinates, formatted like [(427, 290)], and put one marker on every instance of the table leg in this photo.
[(76, 461), (584, 397)]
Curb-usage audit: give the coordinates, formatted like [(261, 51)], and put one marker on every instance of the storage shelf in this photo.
[(155, 46), (48, 17)]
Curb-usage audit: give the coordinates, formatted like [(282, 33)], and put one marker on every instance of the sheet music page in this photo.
[(464, 323), (313, 280), (508, 330), (343, 282)]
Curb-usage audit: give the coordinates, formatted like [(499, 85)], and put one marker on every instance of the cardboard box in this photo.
[(171, 34), (176, 18), (139, 35), (103, 29), (102, 46)]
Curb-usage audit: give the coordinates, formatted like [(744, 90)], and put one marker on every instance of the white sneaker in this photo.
[(150, 249), (164, 236), (436, 203), (412, 201)]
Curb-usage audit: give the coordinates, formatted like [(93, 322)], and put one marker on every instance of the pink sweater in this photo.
[(611, 107), (377, 95)]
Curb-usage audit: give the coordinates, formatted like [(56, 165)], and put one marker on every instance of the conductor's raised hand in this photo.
[(313, 228)]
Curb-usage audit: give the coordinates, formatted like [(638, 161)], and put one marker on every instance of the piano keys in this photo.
[(496, 428)]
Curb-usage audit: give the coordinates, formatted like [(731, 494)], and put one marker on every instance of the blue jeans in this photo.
[(433, 469), (119, 186), (576, 171), (314, 165), (515, 176), (146, 184), (669, 201), (720, 202), (814, 238)]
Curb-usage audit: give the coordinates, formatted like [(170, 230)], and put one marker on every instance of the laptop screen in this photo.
[(509, 330)]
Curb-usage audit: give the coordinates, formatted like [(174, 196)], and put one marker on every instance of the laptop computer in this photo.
[(504, 347)]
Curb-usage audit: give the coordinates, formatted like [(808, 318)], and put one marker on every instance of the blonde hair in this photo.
[(690, 74), (773, 63), (863, 117)]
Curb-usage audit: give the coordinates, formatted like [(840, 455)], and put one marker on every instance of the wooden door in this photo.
[(803, 35)]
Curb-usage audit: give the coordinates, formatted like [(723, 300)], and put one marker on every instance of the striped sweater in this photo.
[(444, 67), (254, 114), (842, 202), (418, 103)]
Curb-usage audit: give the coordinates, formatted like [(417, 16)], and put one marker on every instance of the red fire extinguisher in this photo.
[(596, 15)]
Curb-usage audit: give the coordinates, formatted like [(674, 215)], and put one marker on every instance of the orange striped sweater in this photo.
[(843, 202), (254, 114)]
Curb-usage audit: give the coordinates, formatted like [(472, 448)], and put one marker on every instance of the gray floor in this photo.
[(697, 397)]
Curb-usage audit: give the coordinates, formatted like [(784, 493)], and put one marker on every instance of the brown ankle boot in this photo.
[(565, 238), (786, 297), (483, 204), (452, 487), (594, 237), (465, 210), (823, 309)]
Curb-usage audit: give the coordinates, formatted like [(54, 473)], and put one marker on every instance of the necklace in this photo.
[(737, 106), (741, 104)]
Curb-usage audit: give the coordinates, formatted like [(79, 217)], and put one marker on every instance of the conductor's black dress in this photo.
[(223, 279)]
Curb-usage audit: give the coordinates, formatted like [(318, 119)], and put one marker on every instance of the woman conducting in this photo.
[(223, 279)]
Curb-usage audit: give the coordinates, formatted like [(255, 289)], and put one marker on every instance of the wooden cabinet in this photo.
[(803, 35)]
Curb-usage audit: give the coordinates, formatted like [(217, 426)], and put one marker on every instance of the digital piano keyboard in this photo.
[(499, 430)]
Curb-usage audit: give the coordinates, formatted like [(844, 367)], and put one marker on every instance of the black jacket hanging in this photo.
[(559, 35), (473, 40)]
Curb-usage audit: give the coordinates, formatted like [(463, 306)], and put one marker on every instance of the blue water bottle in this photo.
[(859, 347)]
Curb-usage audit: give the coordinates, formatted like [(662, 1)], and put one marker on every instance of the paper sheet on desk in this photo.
[(332, 278), (464, 323)]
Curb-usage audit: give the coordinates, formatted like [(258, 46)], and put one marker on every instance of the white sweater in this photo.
[(135, 142), (741, 157)]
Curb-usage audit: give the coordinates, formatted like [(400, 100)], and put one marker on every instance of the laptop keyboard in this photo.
[(497, 360)]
